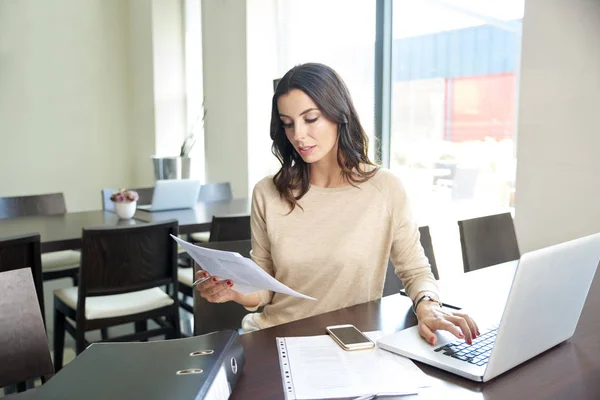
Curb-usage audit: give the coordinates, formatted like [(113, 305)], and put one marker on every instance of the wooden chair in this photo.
[(487, 241), (210, 317), (24, 351), (144, 193), (392, 284), (55, 265), (122, 270), (230, 228), (222, 229), (23, 251), (212, 192), (185, 275)]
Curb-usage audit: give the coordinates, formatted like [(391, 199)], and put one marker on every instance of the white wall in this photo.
[(262, 47), (225, 91), (89, 91), (169, 77), (558, 189), (63, 98), (141, 123)]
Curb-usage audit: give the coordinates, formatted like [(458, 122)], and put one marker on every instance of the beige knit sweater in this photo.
[(336, 247)]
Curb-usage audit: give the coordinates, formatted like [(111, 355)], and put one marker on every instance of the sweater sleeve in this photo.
[(261, 246), (407, 254)]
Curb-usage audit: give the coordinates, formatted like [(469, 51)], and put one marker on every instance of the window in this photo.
[(453, 111)]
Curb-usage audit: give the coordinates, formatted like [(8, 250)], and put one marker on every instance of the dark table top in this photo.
[(63, 232), (60, 232), (571, 370), (199, 218)]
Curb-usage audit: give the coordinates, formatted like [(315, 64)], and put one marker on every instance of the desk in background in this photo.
[(63, 232), (60, 232), (199, 218)]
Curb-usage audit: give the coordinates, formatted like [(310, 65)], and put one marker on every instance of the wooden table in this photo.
[(568, 371), (60, 232), (63, 232), (199, 218)]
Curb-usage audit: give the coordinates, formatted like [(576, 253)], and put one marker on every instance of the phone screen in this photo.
[(349, 335)]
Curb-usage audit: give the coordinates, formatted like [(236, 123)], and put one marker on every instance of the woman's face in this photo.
[(312, 134)]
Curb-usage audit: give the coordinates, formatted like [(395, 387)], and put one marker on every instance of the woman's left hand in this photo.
[(432, 318)]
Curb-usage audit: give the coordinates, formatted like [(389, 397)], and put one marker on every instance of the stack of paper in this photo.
[(243, 272), (315, 367)]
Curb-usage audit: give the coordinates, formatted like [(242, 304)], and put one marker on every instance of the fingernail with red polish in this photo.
[(229, 283), (214, 279), (460, 335), (205, 274), (432, 340)]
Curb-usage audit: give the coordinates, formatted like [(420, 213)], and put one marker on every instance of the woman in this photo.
[(329, 220)]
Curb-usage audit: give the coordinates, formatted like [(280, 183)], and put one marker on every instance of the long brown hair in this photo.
[(325, 87)]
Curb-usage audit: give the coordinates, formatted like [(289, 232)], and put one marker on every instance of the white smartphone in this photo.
[(349, 338)]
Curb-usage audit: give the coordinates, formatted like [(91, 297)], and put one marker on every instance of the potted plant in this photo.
[(178, 167), (125, 203)]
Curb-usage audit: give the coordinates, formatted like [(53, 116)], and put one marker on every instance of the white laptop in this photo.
[(542, 310), (173, 194)]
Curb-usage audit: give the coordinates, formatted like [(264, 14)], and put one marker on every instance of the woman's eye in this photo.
[(287, 126), (310, 121)]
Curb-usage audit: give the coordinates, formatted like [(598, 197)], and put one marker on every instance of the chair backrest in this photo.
[(24, 351), (215, 192), (210, 317), (144, 193), (229, 228), (23, 251), (127, 258), (23, 206), (487, 241), (392, 284)]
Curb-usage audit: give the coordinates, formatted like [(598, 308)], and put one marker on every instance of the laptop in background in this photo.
[(542, 310), (173, 194)]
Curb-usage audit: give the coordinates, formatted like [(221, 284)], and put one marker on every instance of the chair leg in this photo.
[(141, 326), (59, 339), (174, 320), (79, 340), (104, 333)]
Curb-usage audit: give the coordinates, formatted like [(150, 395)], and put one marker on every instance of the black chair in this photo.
[(23, 251), (122, 270), (487, 241), (212, 192), (55, 265), (230, 228), (392, 284), (24, 352), (210, 317), (145, 195), (186, 274)]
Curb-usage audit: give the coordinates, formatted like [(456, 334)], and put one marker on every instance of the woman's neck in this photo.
[(326, 173)]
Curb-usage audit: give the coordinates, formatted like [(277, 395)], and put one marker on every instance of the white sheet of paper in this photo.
[(315, 367), (243, 272)]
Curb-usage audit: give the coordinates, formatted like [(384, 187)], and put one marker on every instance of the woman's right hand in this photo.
[(215, 291)]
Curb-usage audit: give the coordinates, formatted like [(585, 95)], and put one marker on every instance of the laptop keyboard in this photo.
[(478, 353)]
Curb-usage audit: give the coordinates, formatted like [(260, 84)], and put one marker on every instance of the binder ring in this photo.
[(189, 371), (201, 353), (234, 366)]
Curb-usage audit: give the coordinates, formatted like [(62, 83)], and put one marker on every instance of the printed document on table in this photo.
[(315, 367), (245, 274)]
